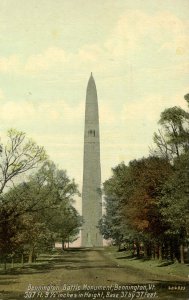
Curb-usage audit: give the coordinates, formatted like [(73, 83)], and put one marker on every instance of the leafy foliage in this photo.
[(18, 156), (147, 202), (29, 209)]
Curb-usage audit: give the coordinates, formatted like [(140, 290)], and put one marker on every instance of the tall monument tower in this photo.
[(91, 197)]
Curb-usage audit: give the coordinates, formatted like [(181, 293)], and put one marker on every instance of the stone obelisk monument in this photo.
[(91, 196)]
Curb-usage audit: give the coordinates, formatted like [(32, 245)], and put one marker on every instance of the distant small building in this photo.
[(58, 245)]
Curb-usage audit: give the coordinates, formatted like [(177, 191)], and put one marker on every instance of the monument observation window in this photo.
[(91, 132)]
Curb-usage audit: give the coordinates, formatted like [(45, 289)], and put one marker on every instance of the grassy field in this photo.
[(95, 267), (177, 270)]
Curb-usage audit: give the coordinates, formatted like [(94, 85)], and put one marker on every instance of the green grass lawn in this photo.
[(168, 268), (170, 279)]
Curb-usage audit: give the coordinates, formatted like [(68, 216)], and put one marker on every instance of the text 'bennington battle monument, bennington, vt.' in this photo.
[(91, 196)]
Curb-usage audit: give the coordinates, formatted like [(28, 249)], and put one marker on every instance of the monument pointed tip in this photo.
[(91, 82)]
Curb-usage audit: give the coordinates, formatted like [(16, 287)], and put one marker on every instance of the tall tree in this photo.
[(148, 176), (37, 201), (18, 156), (65, 223), (174, 204), (173, 137), (110, 225), (131, 196)]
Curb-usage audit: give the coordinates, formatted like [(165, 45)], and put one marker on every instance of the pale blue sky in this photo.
[(138, 52)]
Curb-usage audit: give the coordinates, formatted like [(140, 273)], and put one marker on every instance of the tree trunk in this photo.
[(145, 251), (171, 252), (133, 249), (138, 249), (5, 264), (156, 249), (63, 246), (12, 262), (182, 253), (22, 259), (160, 252), (166, 251), (149, 250), (153, 253), (30, 257)]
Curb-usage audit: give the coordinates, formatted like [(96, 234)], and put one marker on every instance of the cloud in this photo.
[(1, 94), (43, 112), (11, 111), (136, 27), (58, 126), (149, 108), (10, 64), (58, 58), (89, 53), (54, 58), (107, 115), (135, 32), (42, 62)]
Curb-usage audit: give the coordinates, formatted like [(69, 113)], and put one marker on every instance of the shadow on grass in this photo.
[(11, 295), (126, 257), (28, 269), (72, 267), (63, 259), (142, 259), (161, 263), (48, 262), (7, 278), (166, 263), (8, 281), (131, 257), (68, 262)]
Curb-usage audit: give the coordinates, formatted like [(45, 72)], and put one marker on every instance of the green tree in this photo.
[(141, 211), (36, 201), (146, 200), (110, 225), (33, 239), (173, 138), (172, 142), (131, 196), (18, 156), (8, 231), (174, 205), (65, 223)]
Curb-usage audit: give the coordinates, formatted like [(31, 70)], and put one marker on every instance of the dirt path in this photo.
[(77, 273)]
